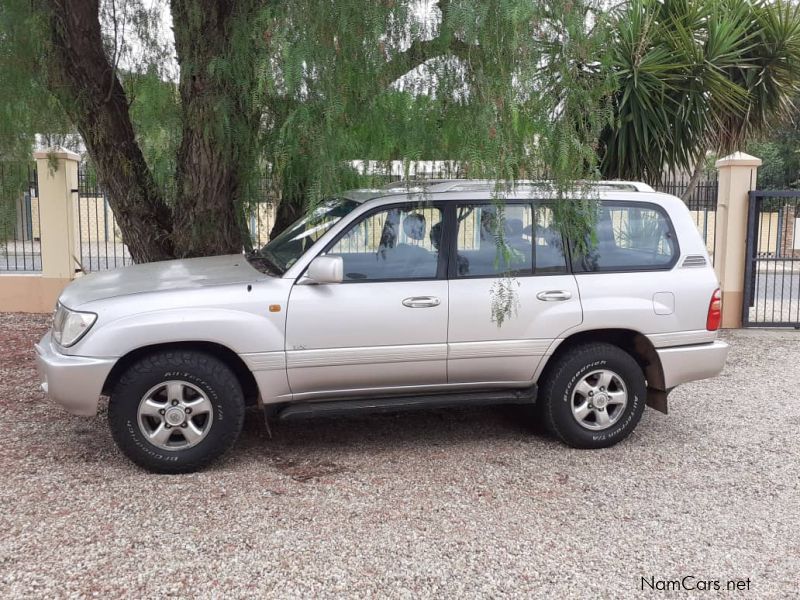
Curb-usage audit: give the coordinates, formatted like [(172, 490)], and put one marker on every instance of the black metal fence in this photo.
[(99, 237), (101, 246), (260, 215), (772, 265), (702, 204), (19, 218)]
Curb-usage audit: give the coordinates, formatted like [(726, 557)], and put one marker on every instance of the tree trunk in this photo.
[(695, 178), (287, 213), (80, 75), (216, 159), (295, 184)]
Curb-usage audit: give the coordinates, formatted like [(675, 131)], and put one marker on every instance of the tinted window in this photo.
[(286, 248), (629, 237), (530, 241), (548, 244), (396, 243), (494, 241)]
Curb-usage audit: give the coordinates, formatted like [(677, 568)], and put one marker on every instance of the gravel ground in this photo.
[(461, 503)]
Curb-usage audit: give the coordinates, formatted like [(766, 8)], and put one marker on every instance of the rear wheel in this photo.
[(176, 411), (593, 396)]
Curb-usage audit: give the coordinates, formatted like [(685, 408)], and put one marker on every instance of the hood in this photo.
[(186, 273)]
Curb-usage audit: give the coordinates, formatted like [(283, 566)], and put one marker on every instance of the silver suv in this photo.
[(392, 299)]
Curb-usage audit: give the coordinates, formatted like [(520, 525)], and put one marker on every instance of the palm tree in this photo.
[(695, 76)]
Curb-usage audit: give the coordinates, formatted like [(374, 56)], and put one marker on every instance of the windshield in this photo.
[(282, 252)]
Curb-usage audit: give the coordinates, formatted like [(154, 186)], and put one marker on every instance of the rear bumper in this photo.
[(682, 364), (74, 382)]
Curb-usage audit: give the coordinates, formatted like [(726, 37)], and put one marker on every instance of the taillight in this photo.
[(714, 311)]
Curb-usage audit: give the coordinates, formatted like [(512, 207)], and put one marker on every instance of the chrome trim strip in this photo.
[(265, 361), (495, 349), (682, 338), (332, 357)]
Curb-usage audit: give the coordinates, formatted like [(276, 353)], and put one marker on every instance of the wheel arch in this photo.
[(232, 360), (634, 343)]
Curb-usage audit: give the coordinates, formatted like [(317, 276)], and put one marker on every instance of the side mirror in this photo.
[(326, 269)]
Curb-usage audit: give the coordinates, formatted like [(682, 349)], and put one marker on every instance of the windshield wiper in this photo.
[(265, 259)]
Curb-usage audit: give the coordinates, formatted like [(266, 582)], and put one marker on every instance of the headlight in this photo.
[(71, 325)]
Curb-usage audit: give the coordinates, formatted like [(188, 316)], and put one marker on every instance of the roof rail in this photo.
[(403, 184), (470, 185), (636, 186)]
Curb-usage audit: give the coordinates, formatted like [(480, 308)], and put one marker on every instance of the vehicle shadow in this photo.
[(388, 431)]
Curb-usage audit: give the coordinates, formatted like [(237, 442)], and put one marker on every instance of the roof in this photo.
[(486, 186)]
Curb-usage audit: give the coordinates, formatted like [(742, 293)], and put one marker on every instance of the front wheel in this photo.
[(593, 396), (176, 411)]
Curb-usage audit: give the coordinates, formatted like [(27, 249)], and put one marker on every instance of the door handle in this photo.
[(554, 295), (421, 302)]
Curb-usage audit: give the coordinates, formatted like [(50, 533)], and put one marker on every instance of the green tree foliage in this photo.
[(780, 151), (26, 106), (183, 129), (697, 75), (492, 85), (299, 89)]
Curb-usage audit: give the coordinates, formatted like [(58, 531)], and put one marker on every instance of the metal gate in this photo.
[(772, 260)]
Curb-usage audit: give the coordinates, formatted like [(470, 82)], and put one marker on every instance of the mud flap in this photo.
[(657, 399)]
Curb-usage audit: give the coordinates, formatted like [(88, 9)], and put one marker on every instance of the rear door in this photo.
[(511, 293)]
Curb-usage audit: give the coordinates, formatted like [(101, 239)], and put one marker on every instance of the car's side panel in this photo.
[(232, 316), (656, 301), (360, 335), (480, 349), (625, 300), (670, 307), (269, 371)]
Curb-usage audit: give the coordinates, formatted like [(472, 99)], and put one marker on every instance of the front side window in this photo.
[(629, 237), (283, 251), (395, 243)]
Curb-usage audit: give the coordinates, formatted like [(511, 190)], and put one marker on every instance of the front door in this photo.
[(384, 328), (511, 293)]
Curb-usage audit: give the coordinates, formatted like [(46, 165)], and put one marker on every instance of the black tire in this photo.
[(198, 369), (558, 387)]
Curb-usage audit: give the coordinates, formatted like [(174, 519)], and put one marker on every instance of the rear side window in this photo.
[(530, 244), (493, 241), (548, 247), (630, 237)]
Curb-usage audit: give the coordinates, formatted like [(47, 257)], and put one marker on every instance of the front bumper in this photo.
[(682, 364), (75, 382)]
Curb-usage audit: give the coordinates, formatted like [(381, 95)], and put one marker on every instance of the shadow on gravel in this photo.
[(437, 427)]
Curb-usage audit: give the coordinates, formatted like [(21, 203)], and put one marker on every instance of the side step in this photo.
[(309, 410)]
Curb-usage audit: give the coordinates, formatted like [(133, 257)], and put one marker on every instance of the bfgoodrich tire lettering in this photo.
[(557, 394), (200, 371)]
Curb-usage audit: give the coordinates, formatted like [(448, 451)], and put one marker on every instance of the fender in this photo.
[(240, 331)]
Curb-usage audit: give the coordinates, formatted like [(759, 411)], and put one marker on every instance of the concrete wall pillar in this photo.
[(58, 175), (737, 176), (57, 170)]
